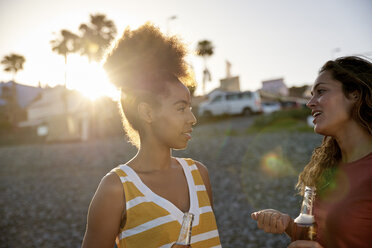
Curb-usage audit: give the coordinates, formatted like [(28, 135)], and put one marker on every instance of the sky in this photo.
[(262, 39)]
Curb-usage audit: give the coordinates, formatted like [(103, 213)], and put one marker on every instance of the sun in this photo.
[(90, 79)]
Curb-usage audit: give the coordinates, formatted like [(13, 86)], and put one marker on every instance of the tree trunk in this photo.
[(14, 108)]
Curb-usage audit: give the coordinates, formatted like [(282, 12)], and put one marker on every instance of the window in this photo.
[(247, 94), (217, 99), (232, 97)]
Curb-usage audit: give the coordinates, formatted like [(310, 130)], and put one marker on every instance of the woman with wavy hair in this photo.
[(142, 203), (341, 168)]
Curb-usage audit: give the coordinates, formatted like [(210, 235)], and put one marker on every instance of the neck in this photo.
[(354, 143), (151, 157)]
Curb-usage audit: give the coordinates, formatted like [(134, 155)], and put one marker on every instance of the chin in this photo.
[(320, 131), (180, 146)]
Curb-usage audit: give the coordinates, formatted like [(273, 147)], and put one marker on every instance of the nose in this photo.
[(311, 103), (192, 118)]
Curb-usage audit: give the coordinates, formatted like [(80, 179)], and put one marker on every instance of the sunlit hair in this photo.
[(355, 75), (141, 64)]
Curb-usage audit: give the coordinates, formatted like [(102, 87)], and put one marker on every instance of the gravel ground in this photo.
[(46, 189)]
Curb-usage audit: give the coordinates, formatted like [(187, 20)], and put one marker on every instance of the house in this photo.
[(230, 84), (59, 114), (14, 98), (25, 93), (299, 91), (275, 86), (285, 101)]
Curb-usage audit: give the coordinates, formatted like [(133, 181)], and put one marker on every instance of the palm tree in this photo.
[(67, 43), (13, 63), (205, 50), (96, 36)]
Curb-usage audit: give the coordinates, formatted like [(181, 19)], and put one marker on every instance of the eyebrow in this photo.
[(182, 101), (312, 90)]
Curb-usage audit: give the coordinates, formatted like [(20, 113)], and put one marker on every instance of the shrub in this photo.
[(288, 119)]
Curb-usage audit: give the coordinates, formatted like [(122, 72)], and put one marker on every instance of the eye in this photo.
[(181, 109), (320, 91)]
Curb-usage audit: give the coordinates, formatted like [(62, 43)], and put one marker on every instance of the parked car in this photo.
[(290, 104), (231, 103), (269, 107)]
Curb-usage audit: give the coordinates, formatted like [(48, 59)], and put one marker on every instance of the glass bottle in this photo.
[(306, 217), (184, 237)]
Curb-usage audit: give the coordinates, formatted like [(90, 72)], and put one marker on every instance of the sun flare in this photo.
[(90, 79)]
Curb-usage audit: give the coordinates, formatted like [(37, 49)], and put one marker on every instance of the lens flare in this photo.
[(90, 79), (275, 164)]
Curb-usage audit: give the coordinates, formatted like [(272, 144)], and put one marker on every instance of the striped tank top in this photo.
[(153, 221)]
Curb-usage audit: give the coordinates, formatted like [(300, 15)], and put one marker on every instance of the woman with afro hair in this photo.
[(141, 203)]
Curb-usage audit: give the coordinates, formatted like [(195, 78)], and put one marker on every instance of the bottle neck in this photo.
[(184, 237)]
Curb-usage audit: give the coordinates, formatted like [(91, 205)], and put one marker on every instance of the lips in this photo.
[(188, 133), (315, 114)]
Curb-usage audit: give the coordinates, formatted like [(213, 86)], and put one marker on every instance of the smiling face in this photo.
[(329, 106), (173, 120)]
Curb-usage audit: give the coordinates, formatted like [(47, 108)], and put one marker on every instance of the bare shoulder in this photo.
[(109, 191), (105, 213), (202, 168), (111, 183)]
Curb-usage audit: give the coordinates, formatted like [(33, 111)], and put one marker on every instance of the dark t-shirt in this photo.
[(344, 212)]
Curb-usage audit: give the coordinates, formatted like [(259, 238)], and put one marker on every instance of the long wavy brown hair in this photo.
[(141, 64), (355, 74)]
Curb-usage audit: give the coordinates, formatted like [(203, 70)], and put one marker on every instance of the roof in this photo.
[(26, 94), (52, 98)]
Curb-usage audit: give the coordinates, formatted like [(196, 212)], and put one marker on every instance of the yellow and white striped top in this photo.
[(153, 221)]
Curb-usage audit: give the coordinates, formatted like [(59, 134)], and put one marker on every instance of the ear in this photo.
[(354, 95), (145, 112)]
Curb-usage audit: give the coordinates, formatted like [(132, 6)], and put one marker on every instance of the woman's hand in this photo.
[(271, 220), (304, 244)]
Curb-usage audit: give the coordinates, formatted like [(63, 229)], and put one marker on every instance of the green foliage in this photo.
[(96, 36), (285, 120), (204, 48), (13, 63), (66, 43), (231, 132)]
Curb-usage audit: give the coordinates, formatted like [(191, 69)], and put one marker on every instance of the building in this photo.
[(275, 86), (25, 93), (59, 114), (299, 91), (14, 99), (230, 84), (62, 115)]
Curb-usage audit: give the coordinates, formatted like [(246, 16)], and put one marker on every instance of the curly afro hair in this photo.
[(145, 59), (141, 64)]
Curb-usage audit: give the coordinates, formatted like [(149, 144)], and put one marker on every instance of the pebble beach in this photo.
[(46, 188)]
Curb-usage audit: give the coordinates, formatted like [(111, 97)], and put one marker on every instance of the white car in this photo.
[(231, 103), (269, 107)]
